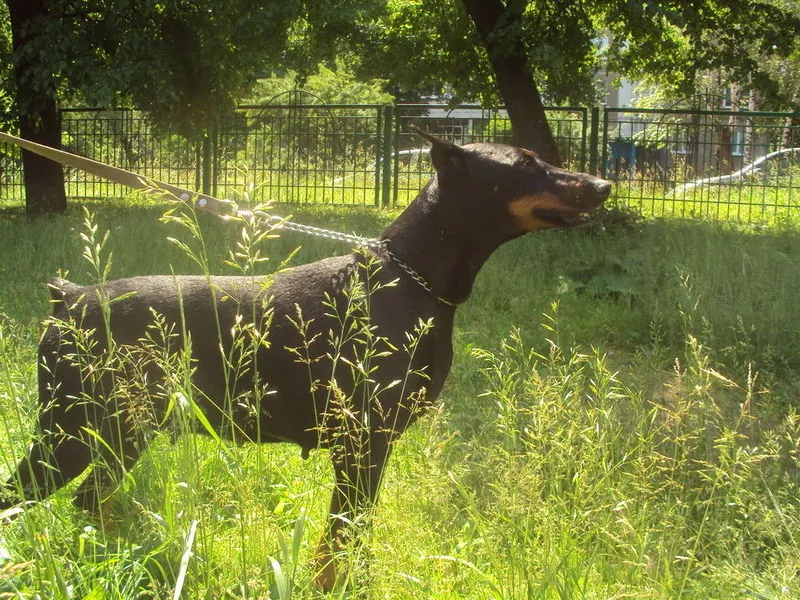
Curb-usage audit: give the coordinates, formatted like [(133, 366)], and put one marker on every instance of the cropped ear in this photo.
[(447, 158)]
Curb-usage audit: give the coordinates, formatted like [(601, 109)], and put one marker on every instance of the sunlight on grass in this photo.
[(746, 202), (621, 421)]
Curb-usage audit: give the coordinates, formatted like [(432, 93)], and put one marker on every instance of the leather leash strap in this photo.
[(201, 202)]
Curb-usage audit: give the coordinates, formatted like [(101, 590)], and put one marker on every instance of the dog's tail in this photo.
[(59, 290)]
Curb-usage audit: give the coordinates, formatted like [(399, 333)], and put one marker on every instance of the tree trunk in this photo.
[(497, 26), (791, 134), (749, 127), (38, 113), (727, 132)]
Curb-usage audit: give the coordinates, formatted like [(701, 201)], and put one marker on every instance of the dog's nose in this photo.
[(602, 187)]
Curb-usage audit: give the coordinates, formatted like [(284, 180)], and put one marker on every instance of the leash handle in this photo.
[(201, 202)]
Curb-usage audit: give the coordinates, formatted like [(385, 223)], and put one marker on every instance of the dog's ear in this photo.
[(446, 157)]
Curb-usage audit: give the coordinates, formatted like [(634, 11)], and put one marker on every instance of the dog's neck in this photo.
[(448, 260)]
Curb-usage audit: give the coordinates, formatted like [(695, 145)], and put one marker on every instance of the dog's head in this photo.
[(510, 189)]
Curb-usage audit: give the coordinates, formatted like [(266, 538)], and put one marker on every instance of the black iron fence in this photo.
[(736, 166), (719, 164)]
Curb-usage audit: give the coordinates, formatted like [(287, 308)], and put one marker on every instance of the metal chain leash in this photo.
[(225, 209), (283, 223), (371, 243)]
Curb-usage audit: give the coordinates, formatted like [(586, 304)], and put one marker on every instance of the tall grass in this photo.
[(758, 202), (620, 423), (571, 484)]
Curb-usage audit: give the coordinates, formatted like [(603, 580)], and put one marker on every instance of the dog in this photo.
[(343, 353)]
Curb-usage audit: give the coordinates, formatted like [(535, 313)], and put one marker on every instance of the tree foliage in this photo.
[(6, 69), (672, 43), (329, 85), (182, 61), (186, 62), (429, 47), (434, 46)]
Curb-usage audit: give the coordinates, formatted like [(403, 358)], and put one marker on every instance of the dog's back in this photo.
[(304, 357)]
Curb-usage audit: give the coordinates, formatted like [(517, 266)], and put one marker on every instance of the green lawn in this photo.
[(620, 422)]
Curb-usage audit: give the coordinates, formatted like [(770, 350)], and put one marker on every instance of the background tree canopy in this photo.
[(433, 48), (188, 62), (512, 52), (425, 47), (185, 62)]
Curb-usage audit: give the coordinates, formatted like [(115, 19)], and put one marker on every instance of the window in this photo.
[(726, 99), (737, 142)]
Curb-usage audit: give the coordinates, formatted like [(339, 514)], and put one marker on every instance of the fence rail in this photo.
[(721, 164), (735, 166)]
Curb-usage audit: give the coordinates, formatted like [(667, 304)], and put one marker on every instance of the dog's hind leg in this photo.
[(108, 469), (59, 452), (57, 457), (54, 460), (62, 447), (116, 445)]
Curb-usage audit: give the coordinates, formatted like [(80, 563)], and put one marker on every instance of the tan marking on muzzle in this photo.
[(522, 209)]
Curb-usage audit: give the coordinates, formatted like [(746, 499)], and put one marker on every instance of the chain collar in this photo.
[(372, 243), (421, 281)]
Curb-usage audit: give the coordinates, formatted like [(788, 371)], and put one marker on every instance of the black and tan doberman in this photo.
[(304, 357)]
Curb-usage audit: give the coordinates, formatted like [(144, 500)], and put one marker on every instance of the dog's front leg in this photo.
[(358, 468)]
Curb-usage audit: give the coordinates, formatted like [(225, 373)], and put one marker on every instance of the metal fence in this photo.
[(720, 164), (734, 166)]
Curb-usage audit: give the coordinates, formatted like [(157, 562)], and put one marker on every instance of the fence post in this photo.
[(378, 154), (207, 164), (387, 154), (594, 127), (604, 159)]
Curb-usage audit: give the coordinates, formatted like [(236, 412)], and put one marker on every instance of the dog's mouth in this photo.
[(570, 208), (577, 209), (567, 216)]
